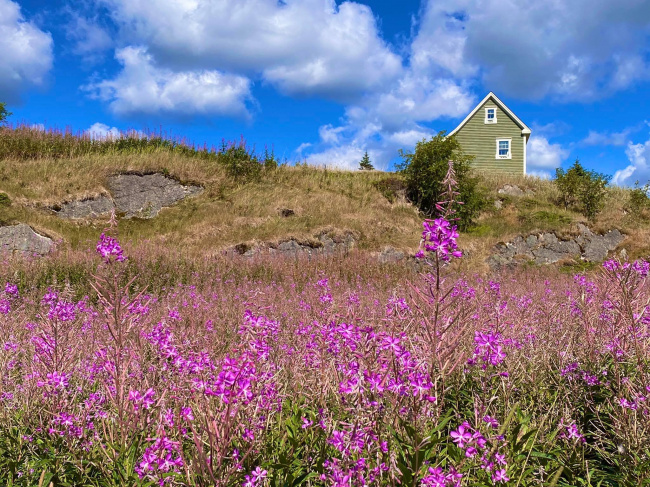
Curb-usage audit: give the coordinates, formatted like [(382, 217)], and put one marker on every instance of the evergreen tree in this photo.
[(3, 113), (365, 164)]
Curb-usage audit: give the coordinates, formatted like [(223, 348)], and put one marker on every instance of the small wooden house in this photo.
[(494, 136)]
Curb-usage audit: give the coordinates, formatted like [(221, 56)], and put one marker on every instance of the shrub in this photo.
[(425, 169), (582, 189), (3, 113), (638, 201), (4, 200), (391, 187)]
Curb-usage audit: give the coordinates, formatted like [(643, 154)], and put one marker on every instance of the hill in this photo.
[(250, 199)]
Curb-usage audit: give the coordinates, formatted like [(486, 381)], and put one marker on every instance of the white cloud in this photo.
[(26, 52), (100, 130), (90, 40), (639, 167), (619, 139), (571, 50), (342, 157), (144, 88), (300, 46), (542, 157)]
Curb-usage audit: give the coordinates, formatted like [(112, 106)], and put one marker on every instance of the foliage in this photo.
[(4, 200), (365, 164), (4, 113), (392, 187), (27, 143), (312, 378), (582, 189), (425, 169), (639, 201)]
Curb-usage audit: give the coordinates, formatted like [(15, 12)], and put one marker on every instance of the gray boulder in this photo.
[(511, 190), (21, 238), (144, 196), (89, 208)]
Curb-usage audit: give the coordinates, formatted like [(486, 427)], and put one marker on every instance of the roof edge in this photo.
[(524, 128)]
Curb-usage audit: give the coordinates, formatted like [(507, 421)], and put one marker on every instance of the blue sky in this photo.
[(323, 81)]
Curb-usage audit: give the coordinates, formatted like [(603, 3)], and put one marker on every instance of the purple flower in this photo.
[(500, 476), (109, 247), (462, 435)]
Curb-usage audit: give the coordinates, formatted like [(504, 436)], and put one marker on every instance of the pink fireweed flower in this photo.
[(11, 289), (109, 247), (500, 476), (306, 423), (439, 237), (462, 435)]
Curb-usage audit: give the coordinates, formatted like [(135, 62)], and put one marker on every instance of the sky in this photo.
[(323, 81)]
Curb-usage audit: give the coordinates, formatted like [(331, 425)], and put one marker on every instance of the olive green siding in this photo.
[(479, 140)]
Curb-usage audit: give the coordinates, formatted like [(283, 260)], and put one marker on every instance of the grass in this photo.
[(244, 195)]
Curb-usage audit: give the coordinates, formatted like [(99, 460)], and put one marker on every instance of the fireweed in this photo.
[(448, 380)]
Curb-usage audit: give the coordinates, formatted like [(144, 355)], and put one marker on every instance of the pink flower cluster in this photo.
[(109, 247), (439, 237)]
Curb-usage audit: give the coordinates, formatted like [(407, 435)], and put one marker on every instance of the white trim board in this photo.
[(524, 128)]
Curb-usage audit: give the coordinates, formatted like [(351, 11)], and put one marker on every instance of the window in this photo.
[(503, 149), (491, 115)]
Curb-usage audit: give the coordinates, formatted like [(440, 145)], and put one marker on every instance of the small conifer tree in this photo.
[(365, 164), (3, 114)]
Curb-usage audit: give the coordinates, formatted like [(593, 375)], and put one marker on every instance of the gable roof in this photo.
[(524, 128)]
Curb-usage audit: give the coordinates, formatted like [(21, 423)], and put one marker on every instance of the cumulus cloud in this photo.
[(144, 88), (26, 52), (543, 157), (100, 130), (618, 139), (89, 39), (571, 50), (300, 46), (639, 167)]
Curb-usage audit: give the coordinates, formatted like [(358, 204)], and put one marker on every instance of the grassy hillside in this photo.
[(39, 170)]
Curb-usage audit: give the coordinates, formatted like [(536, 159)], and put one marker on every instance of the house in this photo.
[(494, 136)]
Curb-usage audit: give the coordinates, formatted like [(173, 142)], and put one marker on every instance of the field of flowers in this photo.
[(429, 379)]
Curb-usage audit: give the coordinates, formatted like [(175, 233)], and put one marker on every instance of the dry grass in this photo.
[(227, 213), (230, 212)]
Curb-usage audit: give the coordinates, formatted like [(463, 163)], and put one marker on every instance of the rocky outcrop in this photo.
[(548, 248), (513, 190), (22, 238), (324, 243), (143, 196), (87, 208)]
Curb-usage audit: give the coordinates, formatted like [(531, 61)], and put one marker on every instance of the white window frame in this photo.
[(509, 156), (494, 120)]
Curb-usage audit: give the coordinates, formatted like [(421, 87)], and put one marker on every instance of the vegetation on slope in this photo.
[(245, 191)]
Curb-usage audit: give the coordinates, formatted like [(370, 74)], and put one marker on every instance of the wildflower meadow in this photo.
[(432, 379)]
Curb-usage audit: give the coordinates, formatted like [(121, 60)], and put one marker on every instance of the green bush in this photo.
[(4, 200), (425, 169), (391, 187), (639, 200), (582, 190), (3, 113)]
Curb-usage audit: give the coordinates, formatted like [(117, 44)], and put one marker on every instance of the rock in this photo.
[(89, 208), (511, 190), (144, 196), (547, 248), (286, 212), (498, 204), (21, 238), (547, 256), (389, 254), (598, 246), (323, 243)]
